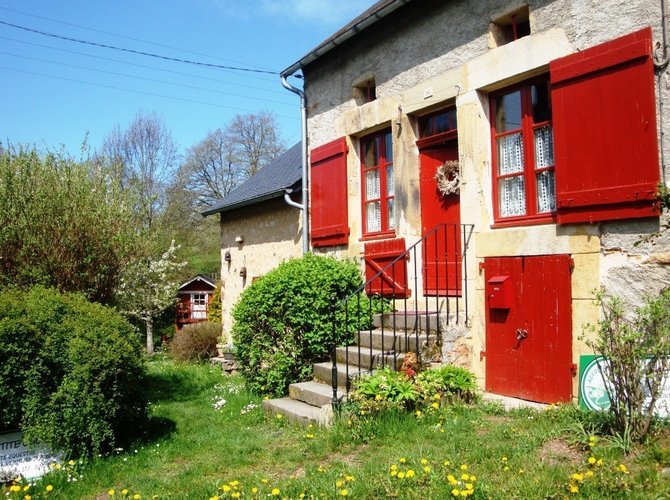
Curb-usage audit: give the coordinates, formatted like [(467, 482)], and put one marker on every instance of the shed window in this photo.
[(377, 180), (524, 187)]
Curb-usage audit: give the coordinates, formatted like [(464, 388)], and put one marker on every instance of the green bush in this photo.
[(283, 324), (71, 372), (196, 342), (453, 382)]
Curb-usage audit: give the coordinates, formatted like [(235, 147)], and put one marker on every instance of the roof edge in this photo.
[(265, 197), (338, 39)]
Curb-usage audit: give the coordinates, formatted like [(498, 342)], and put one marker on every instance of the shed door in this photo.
[(529, 344), (442, 248)]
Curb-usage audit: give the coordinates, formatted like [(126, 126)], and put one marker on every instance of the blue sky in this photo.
[(55, 91)]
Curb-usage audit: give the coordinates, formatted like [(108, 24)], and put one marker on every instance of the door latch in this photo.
[(521, 333)]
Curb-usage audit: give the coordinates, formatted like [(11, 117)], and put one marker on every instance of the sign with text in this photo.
[(593, 394), (16, 459)]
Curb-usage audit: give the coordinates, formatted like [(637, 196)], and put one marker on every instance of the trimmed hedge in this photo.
[(71, 372), (283, 324)]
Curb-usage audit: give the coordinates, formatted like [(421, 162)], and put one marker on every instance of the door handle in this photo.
[(521, 333)]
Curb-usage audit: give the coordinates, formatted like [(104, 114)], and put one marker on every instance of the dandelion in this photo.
[(506, 468), (599, 462), (464, 467), (14, 488), (418, 413), (343, 493), (592, 460), (26, 487), (426, 469), (225, 488), (473, 478), (410, 473), (71, 462), (394, 473), (574, 488), (424, 461), (237, 494), (264, 481), (137, 496), (401, 475), (279, 416), (124, 492), (49, 487), (215, 497), (275, 492), (504, 459), (446, 463), (469, 486), (394, 467), (435, 405), (27, 497), (465, 477), (623, 468), (309, 436), (436, 396), (589, 473), (402, 460), (452, 480), (455, 492), (349, 478), (339, 483), (578, 477), (254, 490)]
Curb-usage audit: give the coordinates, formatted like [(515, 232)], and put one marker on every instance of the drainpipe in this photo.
[(662, 61), (305, 189)]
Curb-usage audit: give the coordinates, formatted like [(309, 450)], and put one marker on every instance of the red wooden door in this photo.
[(529, 345), (442, 248)]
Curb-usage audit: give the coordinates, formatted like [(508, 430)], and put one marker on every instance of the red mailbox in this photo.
[(499, 292)]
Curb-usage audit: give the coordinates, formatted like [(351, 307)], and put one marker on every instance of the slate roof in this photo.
[(200, 277), (272, 181)]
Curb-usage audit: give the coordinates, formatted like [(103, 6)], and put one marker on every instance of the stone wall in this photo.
[(441, 53), (271, 232)]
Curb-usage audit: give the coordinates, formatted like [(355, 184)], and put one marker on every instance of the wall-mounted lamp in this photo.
[(243, 272), (239, 239), (226, 256)]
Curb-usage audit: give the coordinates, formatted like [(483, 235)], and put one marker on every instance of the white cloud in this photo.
[(327, 12)]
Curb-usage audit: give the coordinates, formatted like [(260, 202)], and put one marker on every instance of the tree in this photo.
[(256, 140), (144, 157), (63, 224), (148, 287)]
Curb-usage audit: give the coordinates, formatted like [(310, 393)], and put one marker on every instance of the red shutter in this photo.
[(328, 193), (392, 281), (605, 131)]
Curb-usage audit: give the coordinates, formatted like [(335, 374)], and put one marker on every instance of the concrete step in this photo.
[(313, 393), (299, 411), (414, 321), (323, 373), (369, 358), (400, 341)]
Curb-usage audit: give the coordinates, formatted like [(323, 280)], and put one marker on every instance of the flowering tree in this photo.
[(148, 287)]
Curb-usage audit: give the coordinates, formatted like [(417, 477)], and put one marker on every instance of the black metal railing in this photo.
[(409, 318)]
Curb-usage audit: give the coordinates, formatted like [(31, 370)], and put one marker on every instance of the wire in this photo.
[(49, 47), (133, 51), (283, 103), (139, 92), (125, 36)]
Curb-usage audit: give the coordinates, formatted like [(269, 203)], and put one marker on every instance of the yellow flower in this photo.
[(237, 494), (136, 496), (27, 497), (455, 492), (426, 469), (234, 483), (435, 405), (264, 481), (464, 467), (446, 463), (339, 484), (504, 459), (469, 486), (473, 478), (378, 397), (401, 475), (124, 492), (418, 413), (574, 488), (592, 460), (49, 487), (279, 416), (71, 462), (349, 478), (344, 493), (225, 488), (26, 487), (309, 436), (215, 497), (452, 480), (111, 492), (589, 473), (302, 495), (394, 467), (254, 490), (465, 477), (623, 468), (424, 461), (14, 488), (275, 492), (394, 473), (402, 460), (599, 462), (437, 396), (506, 468), (410, 473), (578, 477)]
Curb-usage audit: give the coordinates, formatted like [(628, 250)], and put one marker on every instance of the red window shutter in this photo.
[(328, 193), (391, 281), (605, 131)]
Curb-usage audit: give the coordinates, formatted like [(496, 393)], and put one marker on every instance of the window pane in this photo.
[(541, 101), (391, 213), (389, 180), (373, 217), (388, 153), (372, 184), (508, 112), (510, 154), (546, 192), (544, 147), (371, 153), (512, 196)]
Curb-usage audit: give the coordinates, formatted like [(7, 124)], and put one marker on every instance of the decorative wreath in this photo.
[(448, 178)]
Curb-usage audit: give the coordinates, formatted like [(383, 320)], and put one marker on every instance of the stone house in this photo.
[(259, 229), (543, 121)]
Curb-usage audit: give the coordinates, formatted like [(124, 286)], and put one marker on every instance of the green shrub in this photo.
[(383, 390), (451, 381), (283, 324), (71, 372), (196, 342)]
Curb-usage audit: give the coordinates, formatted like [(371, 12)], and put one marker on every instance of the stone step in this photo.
[(313, 393), (414, 321), (323, 373), (400, 341), (299, 411), (369, 358)]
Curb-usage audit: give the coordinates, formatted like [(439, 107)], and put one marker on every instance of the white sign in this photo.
[(594, 394), (16, 459)]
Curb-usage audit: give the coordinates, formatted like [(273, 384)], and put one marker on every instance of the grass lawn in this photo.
[(210, 438)]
